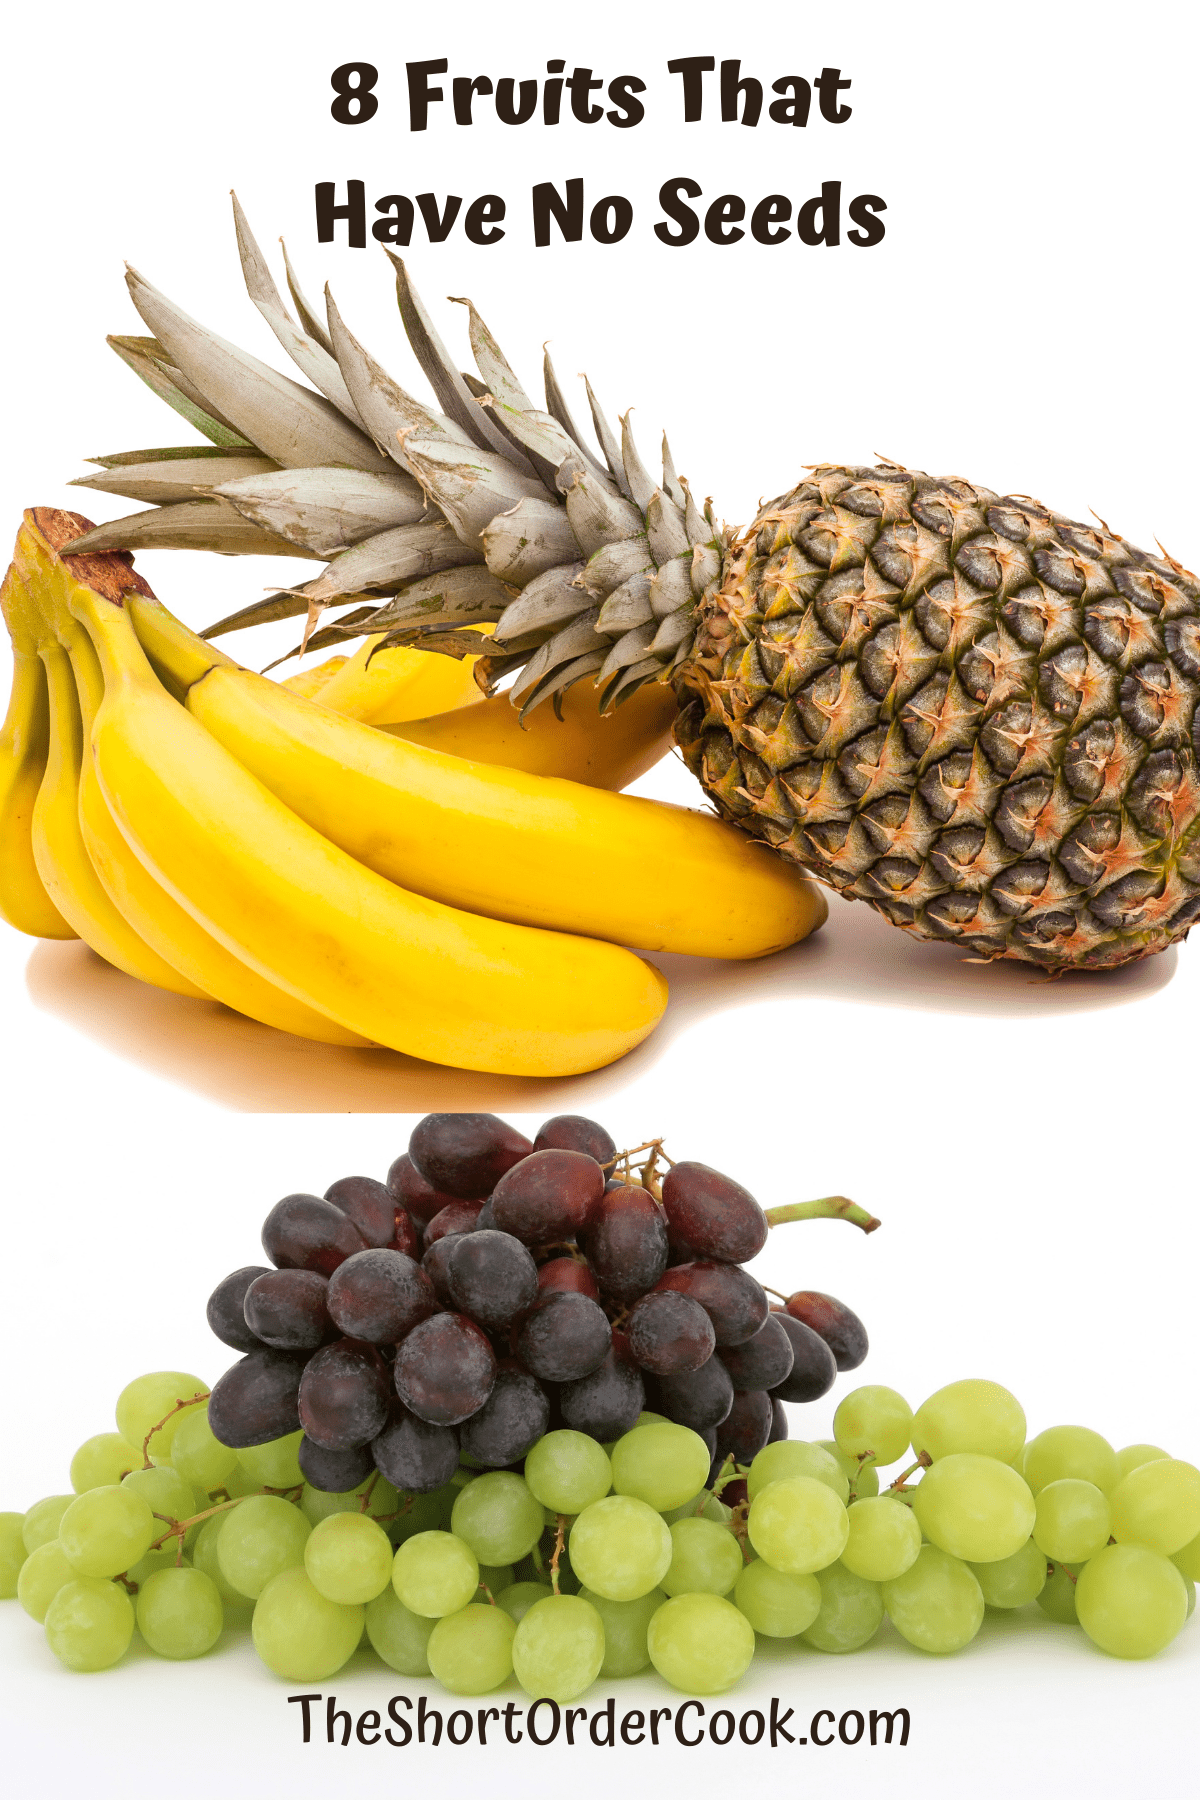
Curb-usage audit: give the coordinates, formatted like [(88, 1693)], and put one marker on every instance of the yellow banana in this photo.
[(309, 682), (24, 746), (400, 684), (493, 840), (392, 966)]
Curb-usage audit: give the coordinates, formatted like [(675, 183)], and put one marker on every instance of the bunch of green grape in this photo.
[(600, 1560)]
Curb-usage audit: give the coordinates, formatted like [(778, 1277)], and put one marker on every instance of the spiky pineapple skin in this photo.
[(975, 714)]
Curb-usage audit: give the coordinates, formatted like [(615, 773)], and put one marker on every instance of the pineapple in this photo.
[(971, 712)]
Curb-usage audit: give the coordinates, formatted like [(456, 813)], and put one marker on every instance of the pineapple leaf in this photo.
[(151, 369), (166, 483), (329, 634), (383, 405), (189, 525), (124, 459), (325, 510), (608, 442), (391, 558), (556, 404), (308, 316)]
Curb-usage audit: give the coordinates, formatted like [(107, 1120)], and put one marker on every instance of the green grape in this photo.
[(974, 1508), (625, 1623), (701, 1506), (103, 1461), (383, 1505), (169, 1497), (147, 1400), (661, 1464), (777, 1605), (937, 1604), (1013, 1581), (206, 1559), (874, 1422), (851, 1611), (40, 1524), (89, 1623), (274, 1464), (1131, 1600), (495, 1577), (700, 1643), (647, 1418), (705, 1559), (517, 1599), (43, 1572), (620, 1547), (106, 1531), (1074, 1520), (12, 1552), (979, 1417), (790, 1457), (179, 1613), (798, 1525), (498, 1517), (863, 1478), (435, 1573), (198, 1456), (1157, 1505), (1190, 1590), (240, 1483), (398, 1636), (1187, 1560), (471, 1652), (261, 1537), (348, 1558), (558, 1649), (567, 1470), (1057, 1597), (1070, 1451), (884, 1539), (300, 1634), (148, 1565), (1134, 1455)]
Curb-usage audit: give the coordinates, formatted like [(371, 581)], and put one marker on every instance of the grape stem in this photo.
[(923, 1461), (834, 1206), (560, 1538), (178, 1407), (491, 1598), (729, 1471)]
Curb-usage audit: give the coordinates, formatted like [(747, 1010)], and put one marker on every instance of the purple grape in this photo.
[(303, 1232), (549, 1196), (435, 1263), (699, 1400), (779, 1421), (764, 1360), (509, 1423), (344, 1395), (414, 1456), (746, 1427), (333, 1471), (375, 1212), (285, 1308), (814, 1368), (626, 1243), (460, 1215), (563, 1336), (842, 1329), (465, 1154), (378, 1295), (226, 1308), (563, 1275), (419, 1199), (256, 1400), (571, 1131), (606, 1403), (713, 1215), (670, 1334), (733, 1300), (445, 1369), (485, 1218), (491, 1277)]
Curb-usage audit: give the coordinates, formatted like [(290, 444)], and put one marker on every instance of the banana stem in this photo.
[(834, 1206)]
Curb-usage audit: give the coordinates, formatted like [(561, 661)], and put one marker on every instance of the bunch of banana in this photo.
[(220, 835)]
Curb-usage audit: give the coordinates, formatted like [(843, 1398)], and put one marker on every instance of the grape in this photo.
[(1070, 1451), (43, 1572), (416, 1457), (344, 1394), (398, 1636), (1187, 1560), (606, 1403), (261, 1537), (626, 1243), (198, 1456), (154, 1560), (1057, 1596), (470, 1652), (12, 1552), (1157, 1505), (563, 1275), (348, 1558), (798, 1525), (875, 1423), (937, 1604), (663, 1465), (670, 1334), (851, 1611), (102, 1460), (861, 1477), (567, 1470), (563, 1336), (779, 1421), (274, 1464), (701, 1506), (705, 1558), (975, 1508), (169, 1497), (465, 1154), (382, 1503), (1074, 1520), (813, 1371), (700, 1400), (841, 1329), (884, 1539), (143, 1406), (763, 1361), (1134, 1455), (711, 1215), (435, 1573), (436, 1264), (379, 1295), (105, 1531), (496, 1577), (498, 1517), (558, 1649), (419, 1199), (304, 1232), (1131, 1600), (975, 1416), (700, 1643), (571, 1131), (548, 1197), (372, 1208), (40, 1524), (286, 1309), (485, 1218), (733, 1300), (300, 1634), (746, 1427), (620, 1547), (334, 1471), (459, 1216), (226, 1308), (1015, 1580), (256, 1400), (780, 1461), (179, 1613), (492, 1277), (777, 1605), (510, 1421), (205, 1558), (445, 1369), (89, 1624)]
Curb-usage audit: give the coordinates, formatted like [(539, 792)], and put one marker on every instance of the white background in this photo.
[(1028, 321)]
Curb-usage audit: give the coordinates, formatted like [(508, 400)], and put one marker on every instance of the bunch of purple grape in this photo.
[(494, 1289)]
